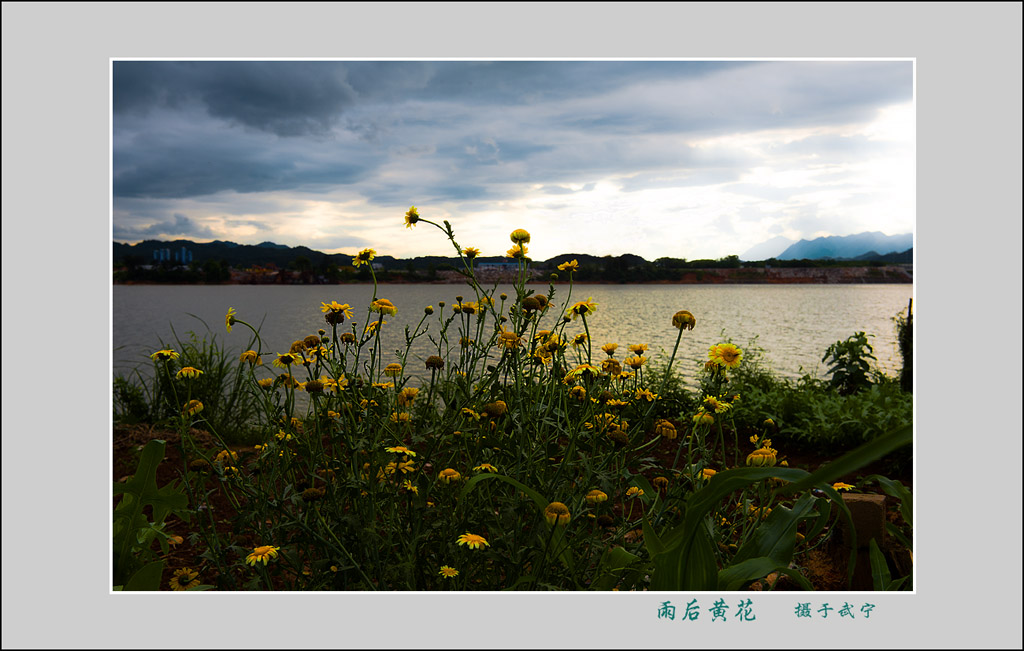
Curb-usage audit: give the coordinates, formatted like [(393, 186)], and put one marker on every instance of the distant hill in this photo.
[(847, 247), (903, 257), (770, 249)]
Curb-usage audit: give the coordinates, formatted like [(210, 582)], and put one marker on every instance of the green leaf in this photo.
[(613, 568), (735, 576), (880, 576), (138, 492), (651, 539), (148, 578), (537, 498), (856, 459), (897, 491), (776, 536)]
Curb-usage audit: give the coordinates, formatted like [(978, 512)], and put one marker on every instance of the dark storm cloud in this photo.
[(397, 132), (284, 98), (194, 162), (179, 226)]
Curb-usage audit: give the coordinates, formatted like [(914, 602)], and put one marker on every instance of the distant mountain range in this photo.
[(862, 246)]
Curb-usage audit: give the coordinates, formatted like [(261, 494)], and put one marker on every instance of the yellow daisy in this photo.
[(252, 357), (384, 306), (411, 217), (582, 308), (363, 257), (188, 372), (472, 541), (229, 318), (184, 579), (557, 513), (596, 497), (520, 236), (572, 265), (726, 355), (264, 553), (163, 355), (448, 572), (683, 320)]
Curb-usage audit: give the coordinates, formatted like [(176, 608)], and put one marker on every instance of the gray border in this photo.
[(55, 165)]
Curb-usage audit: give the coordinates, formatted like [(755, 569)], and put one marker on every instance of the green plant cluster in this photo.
[(520, 456)]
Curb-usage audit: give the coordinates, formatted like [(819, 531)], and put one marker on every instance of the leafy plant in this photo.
[(848, 364), (136, 566), (905, 337)]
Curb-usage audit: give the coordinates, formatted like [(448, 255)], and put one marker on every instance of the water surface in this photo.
[(794, 324)]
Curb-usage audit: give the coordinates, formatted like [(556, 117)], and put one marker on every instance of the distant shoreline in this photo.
[(887, 275)]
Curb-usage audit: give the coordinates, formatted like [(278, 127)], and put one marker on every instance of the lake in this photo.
[(794, 324)]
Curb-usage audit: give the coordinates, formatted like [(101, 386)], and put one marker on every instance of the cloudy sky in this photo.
[(689, 159)]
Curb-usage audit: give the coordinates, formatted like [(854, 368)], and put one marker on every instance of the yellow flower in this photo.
[(411, 217), (645, 395), (726, 355), (252, 357), (335, 313), (611, 366), (572, 265), (582, 308), (557, 513), (393, 369), (579, 339), (596, 497), (284, 360), (761, 457), (716, 405), (407, 395), (636, 361), (192, 407), (449, 475), (509, 339), (229, 318), (363, 257), (400, 449), (683, 320), (703, 418), (707, 473), (371, 328), (188, 372), (175, 540), (840, 486), (660, 483), (520, 236), (517, 251), (579, 393), (384, 306), (665, 429), (472, 541), (163, 355), (633, 491), (266, 383), (448, 572), (485, 467), (265, 553), (638, 349), (400, 417), (580, 371), (470, 252), (609, 348), (184, 579), (495, 409)]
